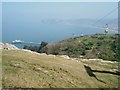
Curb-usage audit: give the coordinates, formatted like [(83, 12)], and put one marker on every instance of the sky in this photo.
[(59, 0), (0, 22), (57, 10)]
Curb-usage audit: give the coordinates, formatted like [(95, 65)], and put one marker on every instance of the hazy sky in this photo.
[(29, 11), (0, 14), (59, 0)]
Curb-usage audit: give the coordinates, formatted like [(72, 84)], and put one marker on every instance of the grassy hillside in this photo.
[(23, 69), (90, 46)]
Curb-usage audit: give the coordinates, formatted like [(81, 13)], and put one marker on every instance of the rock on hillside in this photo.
[(7, 46)]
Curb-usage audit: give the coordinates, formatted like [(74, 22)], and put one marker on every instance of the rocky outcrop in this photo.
[(7, 46), (65, 56)]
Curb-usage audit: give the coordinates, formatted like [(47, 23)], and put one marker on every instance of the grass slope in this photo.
[(23, 69), (90, 46)]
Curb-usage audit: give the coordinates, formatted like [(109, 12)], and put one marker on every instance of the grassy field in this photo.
[(22, 69)]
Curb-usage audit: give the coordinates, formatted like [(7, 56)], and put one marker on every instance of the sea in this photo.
[(48, 33)]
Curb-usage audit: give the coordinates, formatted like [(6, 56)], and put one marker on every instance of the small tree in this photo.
[(43, 44)]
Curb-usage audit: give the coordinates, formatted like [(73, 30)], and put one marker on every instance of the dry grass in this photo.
[(27, 70)]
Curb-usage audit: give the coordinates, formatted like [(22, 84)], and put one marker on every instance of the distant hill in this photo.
[(27, 69), (89, 46)]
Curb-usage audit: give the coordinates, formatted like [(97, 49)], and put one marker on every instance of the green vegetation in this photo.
[(22, 69), (102, 46), (36, 48)]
